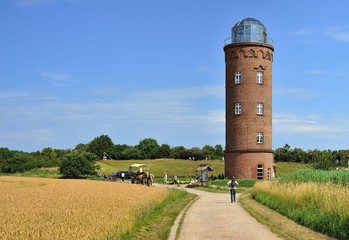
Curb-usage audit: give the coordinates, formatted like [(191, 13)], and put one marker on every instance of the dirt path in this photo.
[(213, 216)]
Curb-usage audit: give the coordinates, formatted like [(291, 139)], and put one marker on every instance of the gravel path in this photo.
[(213, 216)]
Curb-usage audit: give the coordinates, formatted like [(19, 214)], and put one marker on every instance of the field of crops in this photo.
[(41, 208), (316, 199)]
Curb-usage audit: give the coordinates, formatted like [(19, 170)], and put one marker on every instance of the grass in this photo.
[(288, 167), (183, 168), (278, 223), (321, 207), (157, 225), (338, 177)]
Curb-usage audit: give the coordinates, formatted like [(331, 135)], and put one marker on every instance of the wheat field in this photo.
[(41, 208)]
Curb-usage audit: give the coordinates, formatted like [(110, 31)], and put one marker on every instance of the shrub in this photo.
[(20, 162), (78, 164)]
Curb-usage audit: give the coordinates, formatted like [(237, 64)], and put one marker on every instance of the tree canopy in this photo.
[(78, 164)]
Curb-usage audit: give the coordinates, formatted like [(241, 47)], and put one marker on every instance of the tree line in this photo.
[(319, 159), (12, 161), (80, 160)]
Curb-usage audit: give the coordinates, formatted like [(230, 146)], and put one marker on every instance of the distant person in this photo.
[(175, 180), (123, 176), (232, 185), (165, 178)]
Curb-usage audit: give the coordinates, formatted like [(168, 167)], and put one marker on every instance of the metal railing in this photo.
[(229, 40)]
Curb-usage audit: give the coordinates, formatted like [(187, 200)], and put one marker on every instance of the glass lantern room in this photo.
[(249, 30)]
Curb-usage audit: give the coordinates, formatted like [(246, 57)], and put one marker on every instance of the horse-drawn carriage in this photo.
[(141, 175)]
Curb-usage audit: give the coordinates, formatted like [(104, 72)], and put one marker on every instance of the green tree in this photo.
[(282, 154), (323, 160), (298, 155), (148, 148), (116, 151), (131, 152), (163, 151), (193, 153), (49, 153), (218, 149), (100, 144), (78, 164), (20, 162), (5, 154), (208, 151), (176, 151), (81, 147)]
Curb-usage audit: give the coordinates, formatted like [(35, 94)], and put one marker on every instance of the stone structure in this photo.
[(248, 59)]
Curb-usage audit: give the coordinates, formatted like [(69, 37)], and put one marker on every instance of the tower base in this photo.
[(249, 165)]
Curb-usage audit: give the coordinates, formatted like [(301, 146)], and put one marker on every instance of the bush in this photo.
[(20, 162), (78, 165)]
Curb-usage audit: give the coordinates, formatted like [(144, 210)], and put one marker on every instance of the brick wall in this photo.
[(243, 154)]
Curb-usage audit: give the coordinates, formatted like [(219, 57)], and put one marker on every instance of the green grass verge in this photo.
[(278, 223), (157, 223)]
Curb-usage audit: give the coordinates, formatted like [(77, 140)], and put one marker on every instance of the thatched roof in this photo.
[(203, 167)]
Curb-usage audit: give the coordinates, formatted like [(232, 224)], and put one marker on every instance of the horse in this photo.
[(150, 179)]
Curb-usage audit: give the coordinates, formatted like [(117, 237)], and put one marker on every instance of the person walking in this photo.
[(232, 185), (175, 180), (165, 178)]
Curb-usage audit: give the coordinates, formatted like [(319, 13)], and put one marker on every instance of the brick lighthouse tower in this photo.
[(248, 61)]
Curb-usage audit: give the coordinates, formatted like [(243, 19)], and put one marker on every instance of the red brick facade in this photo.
[(246, 155)]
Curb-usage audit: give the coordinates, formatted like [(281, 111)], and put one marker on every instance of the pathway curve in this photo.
[(213, 216)]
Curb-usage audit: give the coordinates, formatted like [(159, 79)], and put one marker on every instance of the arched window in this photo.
[(260, 137), (259, 78), (238, 77), (238, 108), (260, 109), (251, 54)]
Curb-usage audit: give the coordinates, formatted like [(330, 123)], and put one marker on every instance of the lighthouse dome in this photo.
[(249, 30)]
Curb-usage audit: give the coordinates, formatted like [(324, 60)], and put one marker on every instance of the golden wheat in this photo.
[(38, 208)]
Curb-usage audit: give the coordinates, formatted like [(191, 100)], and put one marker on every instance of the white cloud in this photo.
[(13, 95), (309, 124), (316, 72), (300, 93), (300, 32), (328, 73), (172, 115), (40, 135), (340, 33), (57, 78), (208, 70), (32, 3)]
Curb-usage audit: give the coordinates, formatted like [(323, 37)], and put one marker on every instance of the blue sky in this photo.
[(71, 70)]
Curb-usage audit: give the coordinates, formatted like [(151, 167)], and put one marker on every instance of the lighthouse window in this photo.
[(259, 77), (260, 110), (238, 77), (237, 108), (260, 171), (260, 137)]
